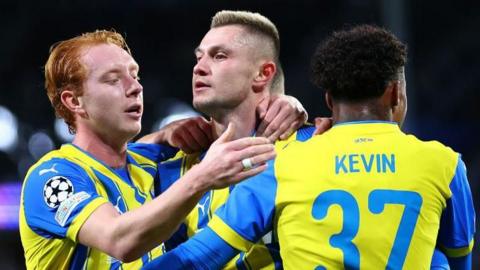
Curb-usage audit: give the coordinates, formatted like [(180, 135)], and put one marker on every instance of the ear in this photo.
[(394, 89), (264, 76), (328, 100), (72, 102)]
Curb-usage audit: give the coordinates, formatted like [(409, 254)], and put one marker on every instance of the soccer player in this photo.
[(363, 195), (89, 204), (237, 69)]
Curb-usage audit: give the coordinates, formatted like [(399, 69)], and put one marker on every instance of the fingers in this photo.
[(227, 135), (262, 107), (248, 173), (224, 160), (242, 143), (293, 127), (191, 135), (286, 128), (184, 140), (199, 134), (322, 124), (257, 153), (206, 127), (266, 123)]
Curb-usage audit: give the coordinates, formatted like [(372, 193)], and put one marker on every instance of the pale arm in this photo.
[(130, 235)]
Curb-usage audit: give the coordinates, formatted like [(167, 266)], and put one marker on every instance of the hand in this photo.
[(322, 124), (223, 162), (190, 135), (281, 115)]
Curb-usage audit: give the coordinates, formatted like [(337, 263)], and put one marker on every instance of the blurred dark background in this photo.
[(442, 72)]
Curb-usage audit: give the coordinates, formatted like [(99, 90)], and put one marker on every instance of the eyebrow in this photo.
[(118, 69), (213, 48)]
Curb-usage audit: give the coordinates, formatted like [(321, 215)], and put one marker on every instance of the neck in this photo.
[(362, 111), (243, 117), (109, 151)]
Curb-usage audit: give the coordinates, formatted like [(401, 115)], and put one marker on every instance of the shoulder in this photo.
[(432, 150), (302, 134), (53, 175)]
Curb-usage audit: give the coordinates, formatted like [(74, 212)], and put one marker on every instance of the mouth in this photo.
[(199, 85), (134, 110)]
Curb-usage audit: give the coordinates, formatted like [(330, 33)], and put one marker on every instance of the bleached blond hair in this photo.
[(259, 27)]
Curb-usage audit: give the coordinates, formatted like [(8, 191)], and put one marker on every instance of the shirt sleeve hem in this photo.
[(74, 228), (229, 235), (457, 252)]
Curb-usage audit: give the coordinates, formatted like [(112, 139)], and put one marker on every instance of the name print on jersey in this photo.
[(355, 163)]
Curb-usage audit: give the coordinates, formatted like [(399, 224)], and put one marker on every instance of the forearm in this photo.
[(130, 235), (206, 250)]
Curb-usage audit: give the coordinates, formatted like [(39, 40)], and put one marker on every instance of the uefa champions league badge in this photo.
[(66, 207), (56, 190)]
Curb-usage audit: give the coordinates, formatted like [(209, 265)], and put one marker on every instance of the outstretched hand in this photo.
[(224, 160)]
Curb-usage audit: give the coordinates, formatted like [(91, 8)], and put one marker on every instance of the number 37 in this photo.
[(377, 200)]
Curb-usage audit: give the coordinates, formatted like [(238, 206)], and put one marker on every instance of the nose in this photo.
[(134, 88), (201, 68)]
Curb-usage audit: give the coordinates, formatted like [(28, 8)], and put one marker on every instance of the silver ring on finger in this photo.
[(247, 164)]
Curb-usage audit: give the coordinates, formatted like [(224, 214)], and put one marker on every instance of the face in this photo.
[(401, 109), (225, 70), (112, 96)]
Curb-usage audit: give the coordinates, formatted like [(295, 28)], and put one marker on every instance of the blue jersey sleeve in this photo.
[(439, 261), (305, 132), (205, 250), (457, 224), (248, 213), (56, 194), (154, 152), (169, 171)]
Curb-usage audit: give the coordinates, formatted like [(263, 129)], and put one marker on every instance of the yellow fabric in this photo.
[(50, 253), (311, 171)]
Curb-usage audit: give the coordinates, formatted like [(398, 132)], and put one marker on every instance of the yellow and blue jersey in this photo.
[(64, 187), (363, 195), (264, 254)]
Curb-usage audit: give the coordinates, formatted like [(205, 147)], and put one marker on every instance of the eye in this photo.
[(113, 81), (220, 56), (198, 58), (136, 77)]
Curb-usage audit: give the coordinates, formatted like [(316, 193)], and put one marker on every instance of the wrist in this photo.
[(197, 180)]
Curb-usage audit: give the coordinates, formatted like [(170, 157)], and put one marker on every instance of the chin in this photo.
[(134, 130), (201, 106)]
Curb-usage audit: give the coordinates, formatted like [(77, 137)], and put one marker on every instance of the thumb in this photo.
[(227, 135), (262, 107)]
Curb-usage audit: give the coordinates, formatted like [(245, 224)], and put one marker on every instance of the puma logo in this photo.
[(117, 207), (44, 171), (202, 206)]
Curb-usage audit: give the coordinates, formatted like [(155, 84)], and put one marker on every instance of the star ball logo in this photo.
[(56, 190)]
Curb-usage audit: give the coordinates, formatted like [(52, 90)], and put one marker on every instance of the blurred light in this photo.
[(8, 130), (61, 130), (177, 111), (39, 144), (9, 205)]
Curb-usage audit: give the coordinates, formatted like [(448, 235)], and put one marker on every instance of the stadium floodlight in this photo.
[(8, 130)]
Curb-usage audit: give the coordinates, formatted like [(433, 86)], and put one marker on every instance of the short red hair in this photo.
[(64, 69)]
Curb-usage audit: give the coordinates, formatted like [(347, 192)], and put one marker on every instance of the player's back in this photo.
[(363, 195), (262, 255)]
